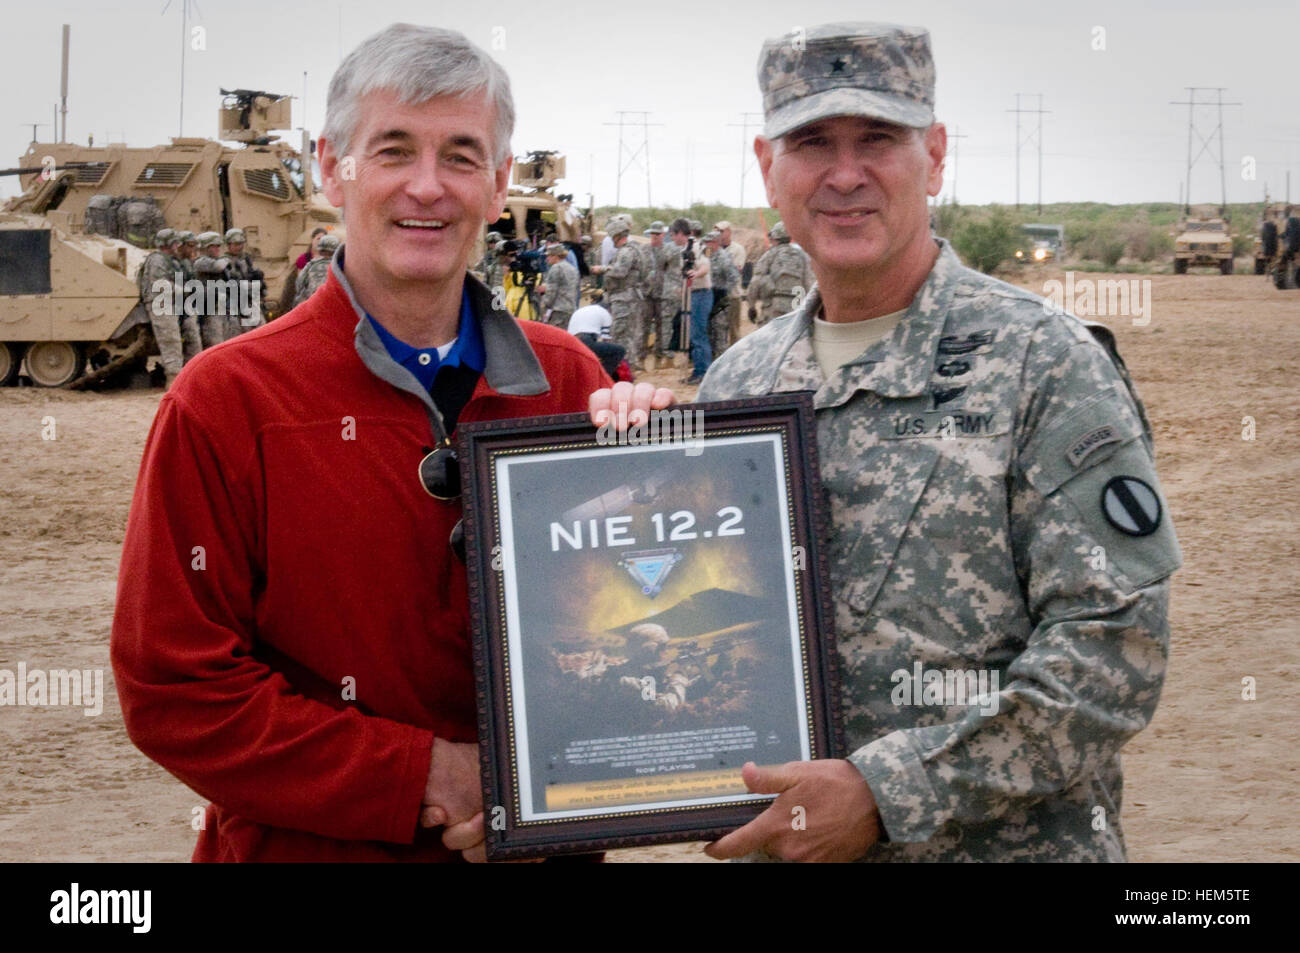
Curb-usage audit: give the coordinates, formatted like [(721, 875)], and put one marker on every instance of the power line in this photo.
[(745, 163), (955, 156), (1035, 136), (1206, 141), (632, 157)]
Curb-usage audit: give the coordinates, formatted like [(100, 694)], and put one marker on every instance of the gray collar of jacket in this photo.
[(511, 367)]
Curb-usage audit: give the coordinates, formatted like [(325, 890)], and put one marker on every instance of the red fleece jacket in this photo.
[(281, 555)]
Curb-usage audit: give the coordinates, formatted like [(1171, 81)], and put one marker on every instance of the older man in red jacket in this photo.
[(292, 635)]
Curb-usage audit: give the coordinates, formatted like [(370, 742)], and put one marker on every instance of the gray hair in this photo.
[(418, 63)]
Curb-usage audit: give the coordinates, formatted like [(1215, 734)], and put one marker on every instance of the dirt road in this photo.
[(1213, 777)]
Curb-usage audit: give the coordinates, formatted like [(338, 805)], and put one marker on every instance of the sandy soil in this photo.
[(1213, 777)]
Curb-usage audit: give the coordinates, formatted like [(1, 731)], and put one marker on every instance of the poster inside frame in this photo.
[(650, 611)]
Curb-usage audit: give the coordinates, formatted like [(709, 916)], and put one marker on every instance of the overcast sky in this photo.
[(1107, 72)]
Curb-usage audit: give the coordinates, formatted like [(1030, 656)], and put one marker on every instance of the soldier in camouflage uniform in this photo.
[(490, 242), (212, 268), (317, 271), (156, 280), (559, 287), (726, 283), (250, 277), (782, 276), (494, 272), (624, 279), (183, 270), (651, 284), (670, 288), (994, 504), (187, 250)]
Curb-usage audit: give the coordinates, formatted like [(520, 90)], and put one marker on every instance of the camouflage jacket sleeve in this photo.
[(561, 287), (724, 270), (1092, 553), (760, 285), (156, 268)]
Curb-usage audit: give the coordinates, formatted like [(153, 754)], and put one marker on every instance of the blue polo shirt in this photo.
[(425, 362)]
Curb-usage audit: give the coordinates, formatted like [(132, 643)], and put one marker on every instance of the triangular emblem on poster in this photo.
[(650, 568)]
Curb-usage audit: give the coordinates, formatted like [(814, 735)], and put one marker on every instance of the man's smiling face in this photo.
[(425, 181), (852, 191)]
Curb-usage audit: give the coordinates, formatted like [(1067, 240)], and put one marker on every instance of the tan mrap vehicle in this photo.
[(261, 184), (1203, 240), (533, 206)]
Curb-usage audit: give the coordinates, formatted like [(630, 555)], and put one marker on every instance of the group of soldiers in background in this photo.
[(645, 285), (185, 286)]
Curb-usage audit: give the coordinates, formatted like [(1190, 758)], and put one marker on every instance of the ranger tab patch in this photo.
[(1097, 437)]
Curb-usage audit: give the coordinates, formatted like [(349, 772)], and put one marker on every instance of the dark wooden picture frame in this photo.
[(779, 432)]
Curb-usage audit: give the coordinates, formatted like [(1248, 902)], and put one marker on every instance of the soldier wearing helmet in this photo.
[(252, 284), (211, 268), (156, 280), (782, 276), (317, 271), (624, 278)]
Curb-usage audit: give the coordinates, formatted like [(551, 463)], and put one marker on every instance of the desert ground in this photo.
[(1214, 777)]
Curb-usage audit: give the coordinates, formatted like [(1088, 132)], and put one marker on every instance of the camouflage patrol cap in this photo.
[(875, 70), (696, 225), (165, 236), (616, 227), (209, 238), (722, 226), (234, 236), (186, 238), (557, 251), (778, 233), (656, 228), (492, 237), (712, 236), (328, 244), (586, 240)]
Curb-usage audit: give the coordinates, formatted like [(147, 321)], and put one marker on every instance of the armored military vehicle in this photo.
[(67, 302), (532, 205), (262, 185), (1203, 239)]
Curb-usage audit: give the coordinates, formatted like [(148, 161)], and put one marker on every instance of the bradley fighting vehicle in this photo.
[(68, 296)]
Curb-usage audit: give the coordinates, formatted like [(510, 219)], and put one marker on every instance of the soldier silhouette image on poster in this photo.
[(650, 621)]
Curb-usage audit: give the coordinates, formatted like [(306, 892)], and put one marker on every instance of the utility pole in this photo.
[(746, 120), (632, 156), (954, 148), (1207, 142), (185, 39), (1039, 137), (63, 82)]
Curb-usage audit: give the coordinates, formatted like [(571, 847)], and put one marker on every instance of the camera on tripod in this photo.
[(525, 266)]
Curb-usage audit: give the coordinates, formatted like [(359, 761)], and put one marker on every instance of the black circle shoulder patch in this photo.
[(1131, 506)]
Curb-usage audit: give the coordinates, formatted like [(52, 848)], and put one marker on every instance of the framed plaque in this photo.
[(650, 612)]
